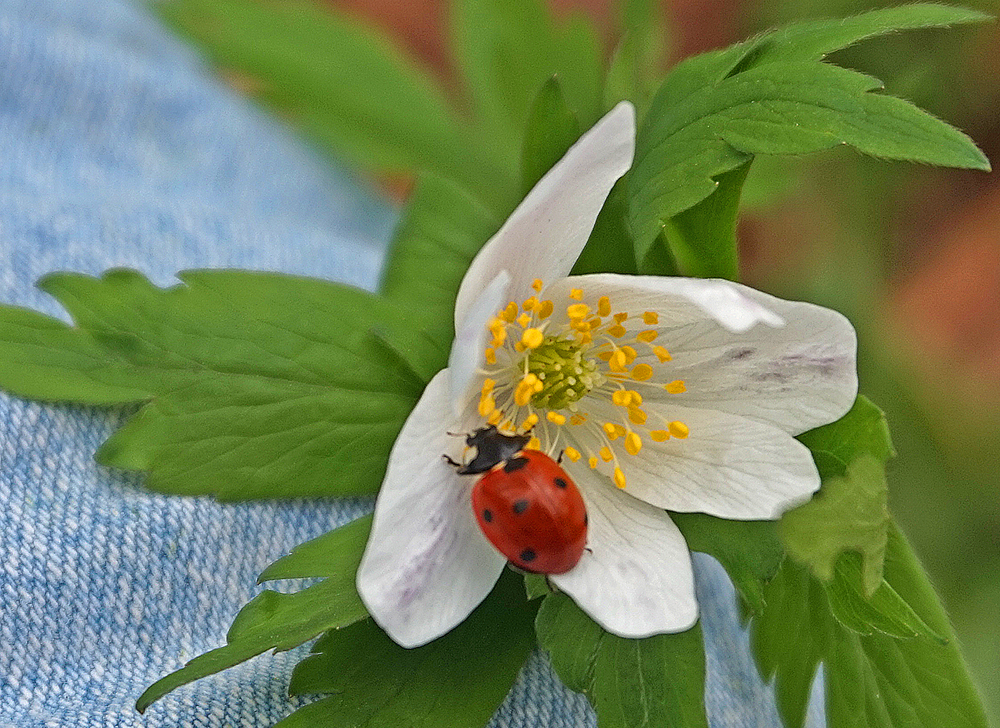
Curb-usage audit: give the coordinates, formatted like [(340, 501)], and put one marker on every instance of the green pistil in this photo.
[(566, 374)]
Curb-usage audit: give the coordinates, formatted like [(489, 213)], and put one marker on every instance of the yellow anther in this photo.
[(606, 455), (555, 418), (594, 322), (651, 318), (509, 313), (675, 387), (577, 419), (620, 478), (617, 330), (523, 320), (520, 348), (636, 397), (605, 355), (642, 372), (572, 454), (532, 338), (577, 311), (486, 405), (537, 285), (647, 336), (529, 303), (678, 430), (495, 417), (621, 317), (522, 393), (633, 443), (662, 354), (630, 354), (544, 309), (499, 332), (529, 421), (610, 430), (534, 444), (576, 294), (622, 398), (659, 435), (617, 361), (637, 416), (604, 306), (488, 385), (491, 355), (592, 462)]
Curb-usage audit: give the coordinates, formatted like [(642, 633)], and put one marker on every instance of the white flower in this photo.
[(663, 393)]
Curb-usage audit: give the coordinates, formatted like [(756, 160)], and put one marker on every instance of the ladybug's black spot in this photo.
[(561, 483), (514, 464), (520, 506), (528, 555), (488, 515)]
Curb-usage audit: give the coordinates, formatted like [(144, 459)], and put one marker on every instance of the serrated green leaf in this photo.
[(872, 681), (282, 621), (319, 69), (750, 551), (656, 681), (702, 239), (849, 513), (715, 112), (259, 385), (458, 680), (609, 248), (862, 431), (551, 130), (441, 231), (883, 610), (506, 51), (320, 556)]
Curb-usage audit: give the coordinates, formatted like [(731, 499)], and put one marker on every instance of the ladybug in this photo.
[(525, 503)]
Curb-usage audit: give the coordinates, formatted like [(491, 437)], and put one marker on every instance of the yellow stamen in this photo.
[(659, 435), (609, 430), (532, 338), (622, 397), (678, 430), (647, 336), (537, 285), (523, 320), (650, 318), (486, 405), (620, 478), (577, 419), (642, 372), (572, 454), (510, 312), (630, 354), (544, 309), (555, 418), (662, 354), (633, 443), (529, 303), (529, 421), (534, 444), (494, 417), (488, 385), (675, 387), (617, 330), (577, 311), (621, 317), (491, 356), (604, 306), (636, 397), (576, 294), (592, 462), (637, 416), (617, 361), (606, 455)]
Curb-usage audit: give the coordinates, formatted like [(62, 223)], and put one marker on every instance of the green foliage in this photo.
[(283, 621), (456, 681), (656, 681), (551, 130), (872, 680), (255, 385)]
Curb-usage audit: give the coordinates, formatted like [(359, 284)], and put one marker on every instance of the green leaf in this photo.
[(536, 585), (750, 551), (656, 681), (872, 681), (609, 248), (457, 680), (319, 557), (507, 50), (849, 513), (283, 621), (635, 66), (257, 385), (702, 239), (320, 69), (714, 112), (552, 128), (862, 431), (441, 232)]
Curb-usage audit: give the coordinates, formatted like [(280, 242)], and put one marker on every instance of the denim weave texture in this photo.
[(119, 148)]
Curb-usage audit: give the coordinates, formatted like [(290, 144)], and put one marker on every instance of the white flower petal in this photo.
[(544, 235), (470, 341), (635, 579), (427, 565), (732, 351), (728, 466)]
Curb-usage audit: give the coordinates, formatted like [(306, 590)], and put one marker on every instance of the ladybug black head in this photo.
[(492, 447)]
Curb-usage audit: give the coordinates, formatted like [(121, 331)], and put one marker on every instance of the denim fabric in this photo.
[(117, 148)]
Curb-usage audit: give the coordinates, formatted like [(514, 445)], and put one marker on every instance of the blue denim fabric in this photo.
[(117, 148)]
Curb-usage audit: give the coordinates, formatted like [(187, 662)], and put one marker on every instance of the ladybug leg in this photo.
[(559, 459), (451, 462)]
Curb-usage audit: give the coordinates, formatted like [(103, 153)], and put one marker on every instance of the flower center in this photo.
[(575, 384)]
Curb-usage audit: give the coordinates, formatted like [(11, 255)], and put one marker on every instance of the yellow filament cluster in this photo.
[(543, 374)]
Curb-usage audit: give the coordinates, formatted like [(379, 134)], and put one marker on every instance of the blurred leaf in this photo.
[(255, 387), (441, 232), (872, 681), (457, 680), (634, 71), (656, 681), (750, 551), (849, 513), (507, 50), (552, 129), (345, 84), (702, 239), (283, 621)]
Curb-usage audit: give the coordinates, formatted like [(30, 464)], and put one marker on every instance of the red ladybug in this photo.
[(525, 503)]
